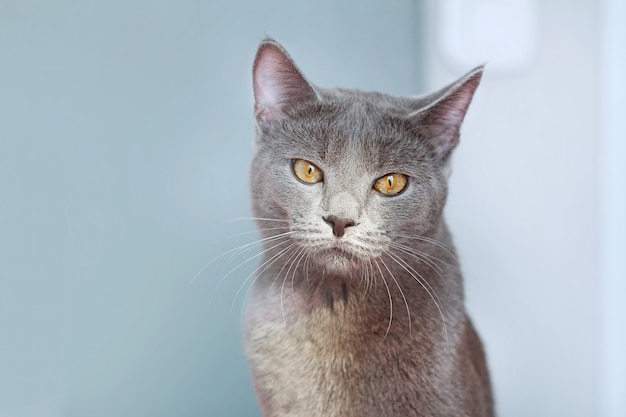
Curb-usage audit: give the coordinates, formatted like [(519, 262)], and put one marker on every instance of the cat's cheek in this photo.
[(401, 214), (301, 202)]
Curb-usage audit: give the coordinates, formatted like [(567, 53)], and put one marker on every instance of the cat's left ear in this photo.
[(278, 84), (441, 118)]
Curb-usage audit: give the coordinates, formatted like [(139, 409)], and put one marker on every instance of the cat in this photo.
[(357, 309)]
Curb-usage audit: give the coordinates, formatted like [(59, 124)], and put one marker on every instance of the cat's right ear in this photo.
[(278, 84), (442, 117)]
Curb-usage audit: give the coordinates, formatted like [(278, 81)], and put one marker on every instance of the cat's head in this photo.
[(349, 172)]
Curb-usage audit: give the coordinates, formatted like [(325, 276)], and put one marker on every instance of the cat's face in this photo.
[(348, 173), (349, 181)]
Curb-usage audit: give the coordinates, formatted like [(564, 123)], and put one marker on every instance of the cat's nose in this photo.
[(338, 224)]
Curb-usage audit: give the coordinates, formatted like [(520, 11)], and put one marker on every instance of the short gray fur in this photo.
[(365, 318)]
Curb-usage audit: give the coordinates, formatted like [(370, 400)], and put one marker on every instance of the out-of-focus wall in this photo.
[(524, 205), (611, 297), (125, 136)]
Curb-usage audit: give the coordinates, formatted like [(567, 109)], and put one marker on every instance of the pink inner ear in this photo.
[(277, 82), (455, 106), (445, 138), (445, 116), (267, 88)]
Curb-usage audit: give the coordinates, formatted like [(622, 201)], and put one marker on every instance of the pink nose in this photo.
[(339, 225)]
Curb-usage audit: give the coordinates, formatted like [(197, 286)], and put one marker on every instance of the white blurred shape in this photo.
[(612, 171), (499, 32)]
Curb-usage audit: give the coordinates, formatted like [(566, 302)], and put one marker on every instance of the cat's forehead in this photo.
[(368, 129)]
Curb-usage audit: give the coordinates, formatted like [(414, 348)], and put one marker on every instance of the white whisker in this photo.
[(420, 256), (275, 259), (390, 299), (433, 241), (307, 261), (425, 285), (365, 278), (236, 251), (249, 232), (291, 261), (291, 256), (282, 242), (301, 255), (256, 273), (237, 219), (406, 303), (258, 242)]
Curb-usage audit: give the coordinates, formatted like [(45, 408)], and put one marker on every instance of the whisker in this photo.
[(291, 256), (291, 261), (301, 255), (307, 262), (275, 259), (283, 268), (406, 265), (425, 285), (250, 245), (420, 257), (256, 273), (249, 232), (237, 219), (406, 303), (370, 279), (235, 251), (243, 263), (433, 241), (365, 279), (390, 299)]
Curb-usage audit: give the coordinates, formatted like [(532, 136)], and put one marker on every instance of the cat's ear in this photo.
[(443, 116), (278, 84)]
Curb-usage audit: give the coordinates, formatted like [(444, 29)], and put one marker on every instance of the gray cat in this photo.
[(357, 310)]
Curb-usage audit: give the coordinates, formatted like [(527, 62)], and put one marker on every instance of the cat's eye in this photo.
[(391, 184), (305, 171)]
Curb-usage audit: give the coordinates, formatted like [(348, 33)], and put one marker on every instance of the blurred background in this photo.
[(125, 137)]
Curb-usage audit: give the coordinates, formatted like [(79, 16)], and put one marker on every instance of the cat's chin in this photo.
[(340, 261)]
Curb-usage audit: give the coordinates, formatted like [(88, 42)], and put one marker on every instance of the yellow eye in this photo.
[(307, 172), (391, 184)]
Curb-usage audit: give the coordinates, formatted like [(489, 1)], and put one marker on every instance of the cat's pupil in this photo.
[(390, 181), (310, 171)]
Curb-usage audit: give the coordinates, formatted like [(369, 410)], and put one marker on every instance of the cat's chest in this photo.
[(304, 365), (343, 361)]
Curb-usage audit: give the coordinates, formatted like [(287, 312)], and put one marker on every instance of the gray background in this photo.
[(125, 136)]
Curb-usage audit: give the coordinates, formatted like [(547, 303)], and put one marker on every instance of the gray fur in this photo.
[(358, 326)]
